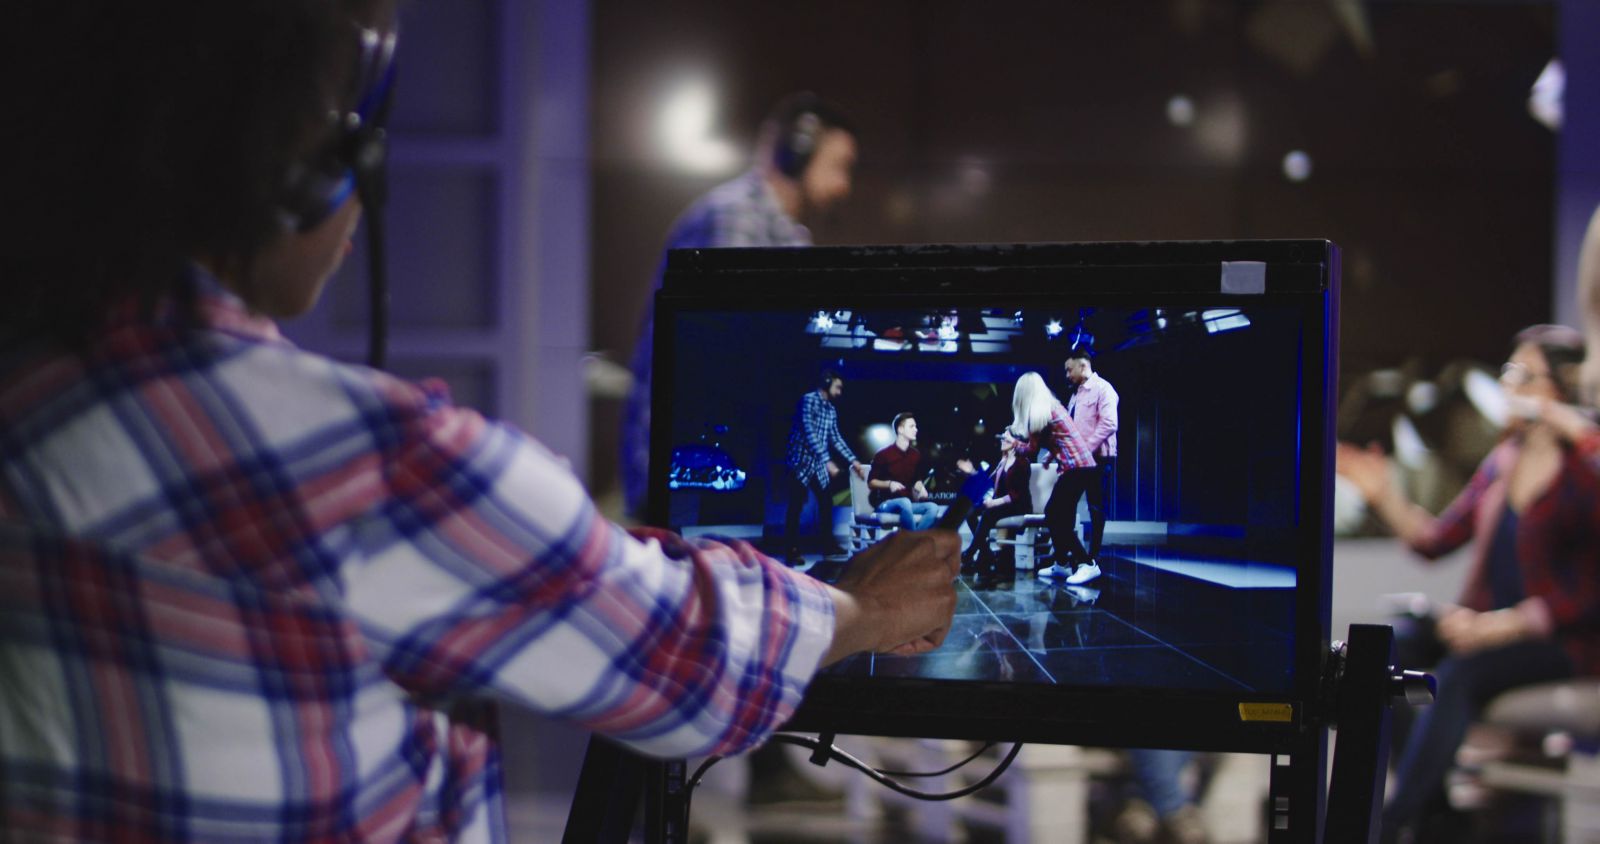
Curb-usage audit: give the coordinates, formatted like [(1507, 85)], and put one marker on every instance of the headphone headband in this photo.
[(317, 187)]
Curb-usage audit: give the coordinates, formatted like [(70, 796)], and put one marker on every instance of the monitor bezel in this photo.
[(1302, 274)]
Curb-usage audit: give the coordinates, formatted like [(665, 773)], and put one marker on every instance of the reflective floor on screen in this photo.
[(1154, 618)]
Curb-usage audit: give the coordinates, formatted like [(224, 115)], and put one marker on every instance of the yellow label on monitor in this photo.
[(1279, 712)]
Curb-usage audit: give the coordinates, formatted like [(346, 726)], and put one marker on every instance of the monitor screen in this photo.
[(1204, 409)]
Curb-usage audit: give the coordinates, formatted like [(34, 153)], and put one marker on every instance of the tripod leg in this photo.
[(607, 798), (666, 804)]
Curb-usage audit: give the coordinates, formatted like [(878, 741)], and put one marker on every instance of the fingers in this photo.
[(944, 546), (907, 582), (1455, 626), (921, 645)]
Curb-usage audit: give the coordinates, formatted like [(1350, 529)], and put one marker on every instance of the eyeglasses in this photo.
[(1516, 375)]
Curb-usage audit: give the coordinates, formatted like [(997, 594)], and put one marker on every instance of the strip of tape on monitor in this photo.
[(1277, 713), (1244, 278)]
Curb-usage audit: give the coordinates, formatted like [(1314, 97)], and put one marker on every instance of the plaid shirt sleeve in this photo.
[(492, 572), (814, 415), (1455, 526), (1066, 443), (1560, 550), (293, 577)]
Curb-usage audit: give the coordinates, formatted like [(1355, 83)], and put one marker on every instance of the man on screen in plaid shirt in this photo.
[(251, 593), (814, 443)]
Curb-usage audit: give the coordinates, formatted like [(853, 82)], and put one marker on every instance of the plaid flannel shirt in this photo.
[(1060, 437), (1557, 542), (813, 433), (242, 586)]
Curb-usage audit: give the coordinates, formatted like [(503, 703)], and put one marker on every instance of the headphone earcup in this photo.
[(798, 144), (315, 188)]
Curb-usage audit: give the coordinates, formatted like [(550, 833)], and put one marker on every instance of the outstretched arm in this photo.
[(1426, 534)]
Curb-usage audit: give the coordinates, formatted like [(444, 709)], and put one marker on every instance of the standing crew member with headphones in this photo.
[(805, 153)]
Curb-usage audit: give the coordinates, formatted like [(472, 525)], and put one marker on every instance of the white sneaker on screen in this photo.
[(1085, 573)]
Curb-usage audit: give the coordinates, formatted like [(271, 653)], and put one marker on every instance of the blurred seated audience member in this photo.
[(1165, 809), (1531, 609)]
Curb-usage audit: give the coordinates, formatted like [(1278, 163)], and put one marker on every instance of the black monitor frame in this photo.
[(1301, 274)]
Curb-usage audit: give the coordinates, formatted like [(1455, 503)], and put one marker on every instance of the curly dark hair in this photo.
[(142, 136)]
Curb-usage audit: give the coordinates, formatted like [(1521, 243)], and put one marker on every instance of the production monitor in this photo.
[(1207, 625)]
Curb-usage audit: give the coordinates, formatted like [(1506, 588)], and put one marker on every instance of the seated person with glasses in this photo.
[(1531, 609)]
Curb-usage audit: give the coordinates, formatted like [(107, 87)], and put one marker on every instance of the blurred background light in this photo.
[(1486, 394), (1549, 91), (973, 174), (684, 127), (1180, 111), (878, 437), (1297, 166), (1220, 132)]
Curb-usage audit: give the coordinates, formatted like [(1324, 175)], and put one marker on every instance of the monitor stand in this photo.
[(1359, 684), (1365, 682)]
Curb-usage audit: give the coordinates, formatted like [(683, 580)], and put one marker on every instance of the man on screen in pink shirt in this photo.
[(1093, 408)]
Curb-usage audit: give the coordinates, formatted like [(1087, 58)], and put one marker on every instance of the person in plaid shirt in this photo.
[(250, 593), (1530, 610), (804, 160), (814, 440)]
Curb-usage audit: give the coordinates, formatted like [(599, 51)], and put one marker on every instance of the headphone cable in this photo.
[(370, 186)]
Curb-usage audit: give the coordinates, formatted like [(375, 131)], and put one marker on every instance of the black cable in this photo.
[(368, 156), (894, 786), (883, 778), (377, 293), (372, 188), (950, 770), (694, 780)]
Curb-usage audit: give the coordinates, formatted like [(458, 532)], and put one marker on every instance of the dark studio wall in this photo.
[(1050, 122)]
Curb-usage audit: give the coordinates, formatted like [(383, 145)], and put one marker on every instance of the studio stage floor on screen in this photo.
[(1154, 618)]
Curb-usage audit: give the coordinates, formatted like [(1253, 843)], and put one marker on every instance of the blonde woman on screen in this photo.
[(1040, 417)]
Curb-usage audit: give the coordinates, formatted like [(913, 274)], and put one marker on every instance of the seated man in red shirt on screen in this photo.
[(894, 481)]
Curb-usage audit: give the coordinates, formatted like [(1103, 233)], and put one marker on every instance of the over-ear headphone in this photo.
[(797, 142), (354, 156)]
